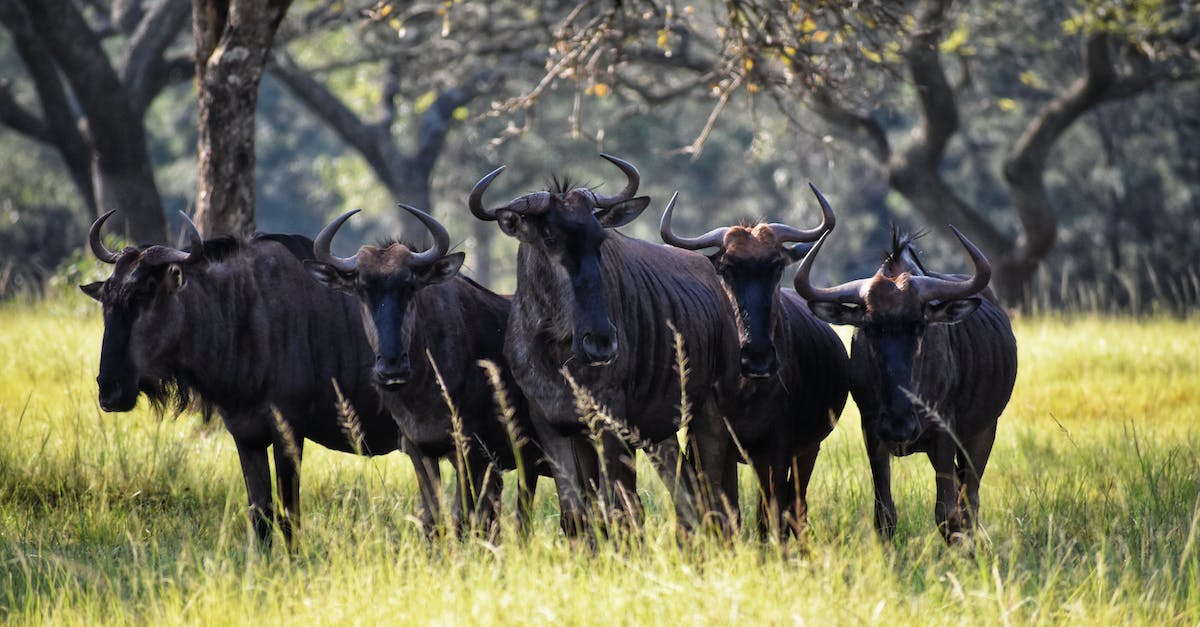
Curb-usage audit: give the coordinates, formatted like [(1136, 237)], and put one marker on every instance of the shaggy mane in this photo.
[(902, 242)]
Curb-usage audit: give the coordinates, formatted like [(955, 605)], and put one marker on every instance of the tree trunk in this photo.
[(233, 38), (120, 164)]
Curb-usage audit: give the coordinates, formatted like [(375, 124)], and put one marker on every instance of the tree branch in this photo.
[(16, 117), (62, 127), (939, 120), (372, 141), (864, 126), (141, 59)]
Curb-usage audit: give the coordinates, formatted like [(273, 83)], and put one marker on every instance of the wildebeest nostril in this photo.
[(599, 348)]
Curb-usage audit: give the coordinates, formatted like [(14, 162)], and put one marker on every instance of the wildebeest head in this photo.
[(567, 226), (386, 278), (141, 317), (892, 311), (749, 260)]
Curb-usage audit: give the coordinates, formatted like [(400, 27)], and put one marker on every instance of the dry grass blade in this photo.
[(348, 421), (286, 436)]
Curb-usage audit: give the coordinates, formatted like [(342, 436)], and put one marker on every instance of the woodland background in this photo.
[(1064, 138)]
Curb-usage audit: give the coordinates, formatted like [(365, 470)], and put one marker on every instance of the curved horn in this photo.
[(785, 233), (712, 238), (96, 244), (441, 238), (476, 198), (933, 288), (345, 265), (844, 293), (195, 242), (633, 179)]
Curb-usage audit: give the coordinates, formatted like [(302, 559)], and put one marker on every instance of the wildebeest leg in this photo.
[(947, 513), (881, 474), (563, 453), (429, 484), (287, 482), (666, 460), (770, 492), (624, 506), (479, 484), (256, 472), (715, 463), (797, 490), (526, 491), (971, 463)]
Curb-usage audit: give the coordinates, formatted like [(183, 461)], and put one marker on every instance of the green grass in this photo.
[(1090, 508)]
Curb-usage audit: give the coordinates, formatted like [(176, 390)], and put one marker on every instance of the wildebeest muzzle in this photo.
[(392, 372)]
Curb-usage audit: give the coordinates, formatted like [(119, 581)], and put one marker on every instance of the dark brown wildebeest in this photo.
[(244, 327), (601, 305), (932, 366), (416, 304), (794, 367)]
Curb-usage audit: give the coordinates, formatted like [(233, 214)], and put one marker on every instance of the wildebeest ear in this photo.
[(513, 224), (175, 280), (622, 213), (951, 311), (441, 269), (797, 252), (837, 313), (92, 289), (328, 276)]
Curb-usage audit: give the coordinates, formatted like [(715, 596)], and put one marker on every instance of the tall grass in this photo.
[(1090, 508)]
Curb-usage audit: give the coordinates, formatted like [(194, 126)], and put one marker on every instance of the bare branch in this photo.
[(142, 57)]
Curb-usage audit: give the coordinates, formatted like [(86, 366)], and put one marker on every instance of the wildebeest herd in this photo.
[(610, 344)]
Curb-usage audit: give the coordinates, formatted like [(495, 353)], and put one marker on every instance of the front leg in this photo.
[(572, 461), (881, 475), (772, 482), (429, 485), (622, 505), (949, 515), (802, 469), (289, 451), (714, 464), (256, 472), (527, 488), (670, 466), (477, 495)]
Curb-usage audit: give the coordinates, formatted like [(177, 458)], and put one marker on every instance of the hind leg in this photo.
[(972, 460)]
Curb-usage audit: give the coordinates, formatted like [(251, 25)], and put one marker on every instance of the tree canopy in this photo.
[(1062, 139)]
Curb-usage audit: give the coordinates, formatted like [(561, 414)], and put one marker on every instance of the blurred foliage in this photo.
[(1128, 222)]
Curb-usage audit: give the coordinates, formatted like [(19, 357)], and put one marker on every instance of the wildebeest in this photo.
[(416, 307), (932, 366), (601, 305), (794, 367), (243, 326)]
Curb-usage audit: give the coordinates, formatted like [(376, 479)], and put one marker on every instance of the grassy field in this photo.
[(1090, 511)]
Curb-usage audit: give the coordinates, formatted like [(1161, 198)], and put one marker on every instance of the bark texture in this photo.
[(233, 38)]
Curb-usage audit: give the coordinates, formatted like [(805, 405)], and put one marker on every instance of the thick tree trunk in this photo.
[(121, 175), (233, 38)]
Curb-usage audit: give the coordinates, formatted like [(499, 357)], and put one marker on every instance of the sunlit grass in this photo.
[(1090, 507)]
